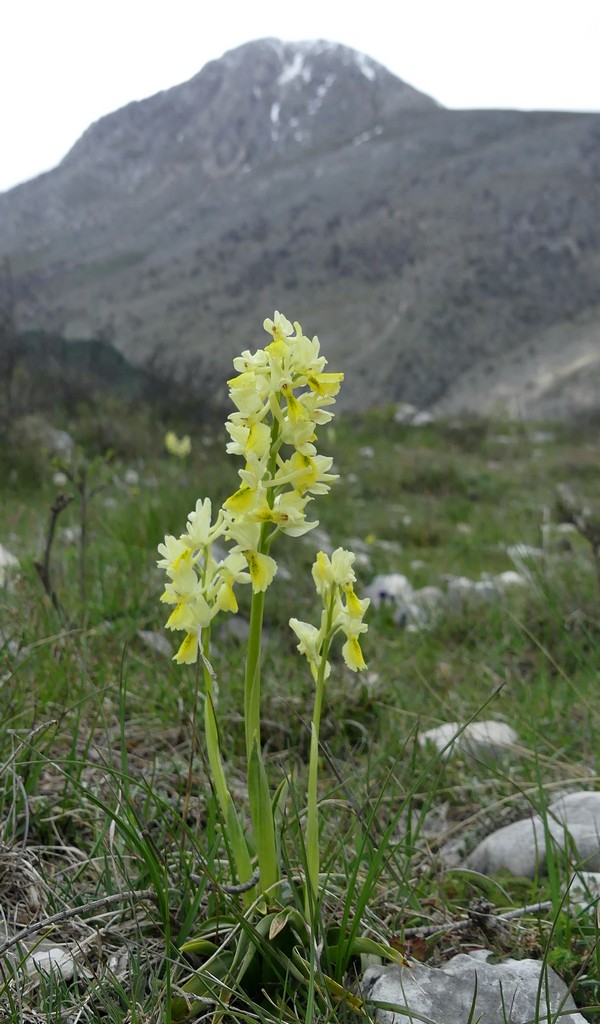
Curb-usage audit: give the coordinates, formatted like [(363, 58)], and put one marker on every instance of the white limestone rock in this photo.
[(393, 547), (508, 579), (485, 591), (61, 442), (70, 534), (582, 843), (524, 552), (518, 848), (521, 847), (409, 415), (580, 808), (470, 988), (416, 609), (420, 610), (8, 644), (462, 591), (422, 419), (131, 477), (405, 412), (458, 591), (9, 564), (391, 589), (55, 960), (156, 642), (429, 598), (411, 616), (584, 888), (482, 740)]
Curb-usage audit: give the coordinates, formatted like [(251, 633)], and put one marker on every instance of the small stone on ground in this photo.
[(488, 739), (470, 988), (573, 824)]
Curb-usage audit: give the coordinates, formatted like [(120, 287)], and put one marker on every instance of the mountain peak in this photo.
[(261, 99), (303, 61), (305, 94), (264, 101)]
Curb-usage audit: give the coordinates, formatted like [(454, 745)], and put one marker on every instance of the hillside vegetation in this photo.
[(104, 786)]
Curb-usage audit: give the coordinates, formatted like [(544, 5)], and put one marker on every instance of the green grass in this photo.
[(104, 788)]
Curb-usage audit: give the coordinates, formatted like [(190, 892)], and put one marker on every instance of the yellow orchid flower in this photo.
[(262, 569), (177, 446), (352, 654), (243, 501), (173, 551), (327, 384), (188, 652), (279, 327), (296, 411), (355, 607)]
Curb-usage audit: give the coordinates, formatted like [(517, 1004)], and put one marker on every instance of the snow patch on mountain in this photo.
[(292, 70), (366, 66)]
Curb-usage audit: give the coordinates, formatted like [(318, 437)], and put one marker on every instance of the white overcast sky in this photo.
[(65, 63)]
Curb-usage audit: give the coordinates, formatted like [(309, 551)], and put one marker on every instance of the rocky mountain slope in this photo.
[(447, 258)]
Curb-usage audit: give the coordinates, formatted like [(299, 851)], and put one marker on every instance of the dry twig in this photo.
[(43, 568), (64, 915)]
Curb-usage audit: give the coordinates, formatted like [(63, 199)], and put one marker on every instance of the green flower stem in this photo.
[(312, 810), (231, 820), (252, 678), (261, 811), (263, 823), (257, 608)]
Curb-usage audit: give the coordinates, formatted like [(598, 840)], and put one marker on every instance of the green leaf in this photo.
[(204, 985), (336, 991), (201, 947), (278, 924), (262, 820), (249, 945), (278, 810), (239, 846), (363, 945), (215, 928)]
